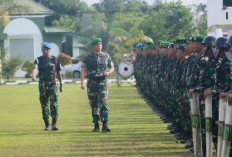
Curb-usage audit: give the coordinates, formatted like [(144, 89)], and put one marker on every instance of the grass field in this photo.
[(136, 130)]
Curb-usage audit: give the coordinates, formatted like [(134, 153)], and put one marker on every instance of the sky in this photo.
[(185, 2)]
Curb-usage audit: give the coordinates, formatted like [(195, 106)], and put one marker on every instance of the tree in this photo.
[(66, 11), (168, 21), (64, 22), (202, 25), (201, 19), (129, 35)]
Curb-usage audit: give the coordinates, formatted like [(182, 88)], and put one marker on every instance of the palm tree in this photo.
[(128, 38)]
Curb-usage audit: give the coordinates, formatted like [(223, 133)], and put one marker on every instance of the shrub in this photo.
[(10, 66), (28, 66), (64, 59)]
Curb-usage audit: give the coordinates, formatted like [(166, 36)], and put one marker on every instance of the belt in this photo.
[(97, 79)]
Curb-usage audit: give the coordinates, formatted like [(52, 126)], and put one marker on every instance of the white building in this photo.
[(219, 18), (25, 32)]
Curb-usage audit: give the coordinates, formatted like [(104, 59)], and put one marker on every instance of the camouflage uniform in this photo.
[(96, 66), (48, 68)]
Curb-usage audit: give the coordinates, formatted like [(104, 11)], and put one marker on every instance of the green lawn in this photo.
[(136, 130)]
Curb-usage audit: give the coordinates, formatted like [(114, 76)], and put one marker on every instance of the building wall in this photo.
[(217, 14), (55, 39), (76, 50)]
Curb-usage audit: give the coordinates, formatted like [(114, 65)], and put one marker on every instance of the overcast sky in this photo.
[(185, 2)]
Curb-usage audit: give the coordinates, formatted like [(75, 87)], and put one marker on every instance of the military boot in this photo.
[(47, 126), (105, 127), (54, 127), (96, 127)]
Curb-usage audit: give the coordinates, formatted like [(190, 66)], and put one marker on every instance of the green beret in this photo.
[(166, 44), (199, 38), (191, 38), (150, 44), (143, 47), (159, 41), (181, 41), (181, 47), (172, 45), (95, 41)]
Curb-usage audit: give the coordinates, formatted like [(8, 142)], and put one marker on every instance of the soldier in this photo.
[(98, 66), (49, 67)]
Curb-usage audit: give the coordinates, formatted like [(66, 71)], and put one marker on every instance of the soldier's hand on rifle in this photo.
[(207, 92), (229, 99)]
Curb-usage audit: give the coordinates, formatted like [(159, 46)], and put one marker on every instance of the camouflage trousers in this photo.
[(48, 91), (98, 94)]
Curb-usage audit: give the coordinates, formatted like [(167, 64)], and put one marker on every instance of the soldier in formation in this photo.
[(168, 73)]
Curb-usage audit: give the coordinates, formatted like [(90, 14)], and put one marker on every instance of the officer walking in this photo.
[(98, 66), (49, 67)]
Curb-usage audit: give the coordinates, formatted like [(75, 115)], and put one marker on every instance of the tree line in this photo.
[(121, 23)]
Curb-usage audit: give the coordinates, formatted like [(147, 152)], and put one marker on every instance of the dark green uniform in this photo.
[(48, 68), (96, 66)]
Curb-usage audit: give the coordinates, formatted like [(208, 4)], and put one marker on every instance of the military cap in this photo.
[(199, 38), (181, 41), (159, 42), (95, 41), (181, 47), (143, 47), (166, 44), (191, 38), (150, 44), (139, 44), (46, 45), (172, 45)]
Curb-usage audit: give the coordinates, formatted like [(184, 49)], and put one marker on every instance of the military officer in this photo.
[(49, 67), (98, 66)]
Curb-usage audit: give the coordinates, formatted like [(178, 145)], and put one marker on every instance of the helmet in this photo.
[(221, 42), (209, 40), (230, 40)]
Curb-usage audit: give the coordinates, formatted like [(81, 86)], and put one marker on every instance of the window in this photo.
[(23, 48), (227, 3), (227, 16)]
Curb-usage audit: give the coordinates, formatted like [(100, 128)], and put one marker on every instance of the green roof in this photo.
[(29, 7), (56, 30)]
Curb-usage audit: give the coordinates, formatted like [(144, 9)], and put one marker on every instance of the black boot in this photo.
[(54, 127), (47, 126), (96, 127), (105, 127)]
